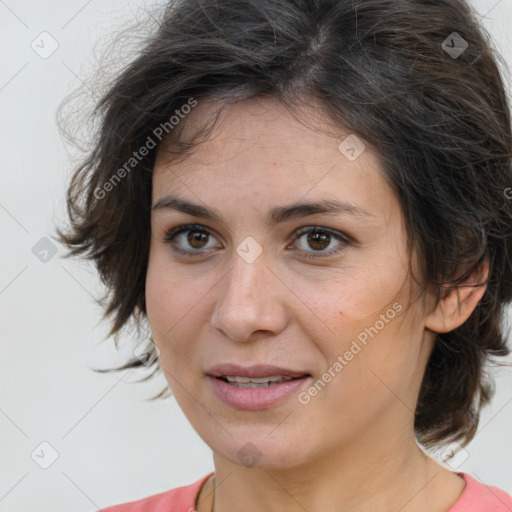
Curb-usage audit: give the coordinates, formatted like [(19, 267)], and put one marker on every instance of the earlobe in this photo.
[(457, 302)]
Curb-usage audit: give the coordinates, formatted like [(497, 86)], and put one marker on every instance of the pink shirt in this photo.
[(476, 497)]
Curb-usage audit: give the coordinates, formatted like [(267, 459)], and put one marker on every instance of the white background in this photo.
[(113, 445)]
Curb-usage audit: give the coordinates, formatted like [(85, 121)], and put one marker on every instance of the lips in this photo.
[(256, 387), (263, 382), (254, 371)]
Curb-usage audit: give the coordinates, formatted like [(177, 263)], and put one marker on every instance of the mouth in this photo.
[(255, 387), (262, 382)]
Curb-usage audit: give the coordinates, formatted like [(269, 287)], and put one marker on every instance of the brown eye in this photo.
[(197, 239), (189, 239), (318, 239)]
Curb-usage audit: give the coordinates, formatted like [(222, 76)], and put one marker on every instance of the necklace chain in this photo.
[(213, 499)]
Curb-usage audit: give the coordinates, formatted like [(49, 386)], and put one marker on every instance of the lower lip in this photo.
[(252, 399)]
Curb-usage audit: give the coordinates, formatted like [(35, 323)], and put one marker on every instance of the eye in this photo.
[(318, 239), (192, 236), (193, 240)]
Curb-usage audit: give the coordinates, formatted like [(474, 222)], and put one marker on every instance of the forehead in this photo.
[(259, 153), (262, 122)]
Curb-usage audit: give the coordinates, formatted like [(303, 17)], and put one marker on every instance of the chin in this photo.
[(260, 450)]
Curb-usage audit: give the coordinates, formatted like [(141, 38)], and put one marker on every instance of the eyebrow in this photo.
[(275, 215)]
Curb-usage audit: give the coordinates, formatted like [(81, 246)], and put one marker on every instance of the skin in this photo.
[(352, 447)]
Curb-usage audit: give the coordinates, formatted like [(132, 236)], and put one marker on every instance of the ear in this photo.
[(459, 301)]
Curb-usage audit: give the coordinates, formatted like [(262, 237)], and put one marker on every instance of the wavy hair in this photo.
[(418, 80)]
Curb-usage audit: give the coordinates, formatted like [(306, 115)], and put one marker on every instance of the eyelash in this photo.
[(174, 232)]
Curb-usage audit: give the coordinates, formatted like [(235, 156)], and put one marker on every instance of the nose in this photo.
[(250, 299)]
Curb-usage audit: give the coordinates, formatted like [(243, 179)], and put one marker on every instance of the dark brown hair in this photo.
[(417, 79)]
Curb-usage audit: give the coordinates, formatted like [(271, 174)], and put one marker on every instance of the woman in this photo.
[(306, 203)]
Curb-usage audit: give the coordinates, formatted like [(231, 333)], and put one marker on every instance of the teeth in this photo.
[(247, 382), (262, 380)]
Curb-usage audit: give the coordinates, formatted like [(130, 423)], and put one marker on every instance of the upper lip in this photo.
[(254, 371)]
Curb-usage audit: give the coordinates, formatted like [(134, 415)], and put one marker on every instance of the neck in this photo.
[(368, 475)]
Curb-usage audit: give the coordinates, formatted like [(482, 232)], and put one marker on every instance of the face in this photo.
[(246, 278)]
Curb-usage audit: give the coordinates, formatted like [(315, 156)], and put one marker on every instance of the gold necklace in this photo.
[(201, 495), (213, 499)]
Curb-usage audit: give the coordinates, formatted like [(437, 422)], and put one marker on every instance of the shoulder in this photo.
[(482, 498), (179, 499)]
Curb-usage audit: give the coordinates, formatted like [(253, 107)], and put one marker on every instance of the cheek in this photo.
[(167, 287), (387, 358), (157, 292), (352, 300), (175, 307), (163, 304), (368, 326)]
